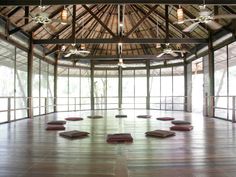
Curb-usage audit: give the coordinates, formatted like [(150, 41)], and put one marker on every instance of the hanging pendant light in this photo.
[(180, 15), (158, 45), (120, 63), (82, 46), (64, 16)]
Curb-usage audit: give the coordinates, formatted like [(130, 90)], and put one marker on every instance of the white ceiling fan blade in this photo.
[(68, 55), (174, 54), (160, 55), (224, 16), (191, 27), (186, 20), (213, 25), (60, 21)]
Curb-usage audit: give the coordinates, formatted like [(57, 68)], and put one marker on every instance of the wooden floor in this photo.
[(27, 150)]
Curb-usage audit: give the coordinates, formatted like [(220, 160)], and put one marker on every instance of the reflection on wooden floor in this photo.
[(27, 150)]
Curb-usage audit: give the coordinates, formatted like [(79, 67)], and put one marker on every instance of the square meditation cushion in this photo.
[(165, 118), (160, 133), (144, 116), (57, 122), (55, 127), (73, 118), (119, 138), (74, 134), (181, 127), (180, 122)]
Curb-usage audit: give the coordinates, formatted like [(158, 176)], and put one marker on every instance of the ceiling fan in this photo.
[(121, 63), (169, 51), (73, 50), (205, 16)]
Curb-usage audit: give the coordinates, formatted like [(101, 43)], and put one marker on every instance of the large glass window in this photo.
[(62, 89), (155, 89), (21, 84), (7, 72), (221, 100), (74, 89), (128, 90), (112, 89)]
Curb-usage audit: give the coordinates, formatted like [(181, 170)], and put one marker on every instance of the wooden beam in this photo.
[(14, 11), (123, 40), (141, 20), (72, 2), (99, 21)]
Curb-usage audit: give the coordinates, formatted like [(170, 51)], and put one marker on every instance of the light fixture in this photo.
[(64, 16), (121, 25), (82, 46), (180, 15), (63, 48), (158, 45), (120, 63)]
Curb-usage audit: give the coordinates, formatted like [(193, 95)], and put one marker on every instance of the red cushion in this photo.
[(73, 118), (181, 127), (121, 116), (55, 127), (144, 116), (95, 117), (119, 138), (57, 122), (165, 118), (74, 134), (160, 133), (180, 122)]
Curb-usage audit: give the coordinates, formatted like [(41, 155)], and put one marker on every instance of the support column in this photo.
[(120, 88), (211, 79), (92, 85), (30, 77), (55, 84), (187, 87), (148, 84)]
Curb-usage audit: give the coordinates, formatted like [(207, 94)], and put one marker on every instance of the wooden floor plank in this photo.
[(28, 150)]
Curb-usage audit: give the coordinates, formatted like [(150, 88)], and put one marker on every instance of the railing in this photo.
[(171, 103), (221, 107), (13, 108)]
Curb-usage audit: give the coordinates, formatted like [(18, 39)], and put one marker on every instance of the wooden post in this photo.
[(233, 110), (30, 76), (9, 109), (148, 84)]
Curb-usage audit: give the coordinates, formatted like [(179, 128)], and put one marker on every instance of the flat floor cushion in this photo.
[(181, 127), (95, 117), (55, 127), (57, 122), (74, 134), (121, 116), (165, 118), (180, 122), (119, 138), (73, 118), (144, 116), (160, 133)]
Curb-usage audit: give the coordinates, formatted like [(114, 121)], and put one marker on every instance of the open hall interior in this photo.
[(105, 88)]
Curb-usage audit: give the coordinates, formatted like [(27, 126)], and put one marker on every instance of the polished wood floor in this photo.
[(27, 150)]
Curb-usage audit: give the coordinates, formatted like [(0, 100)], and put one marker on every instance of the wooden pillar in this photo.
[(92, 86), (55, 83), (30, 77), (120, 88), (148, 84), (185, 87), (211, 69)]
